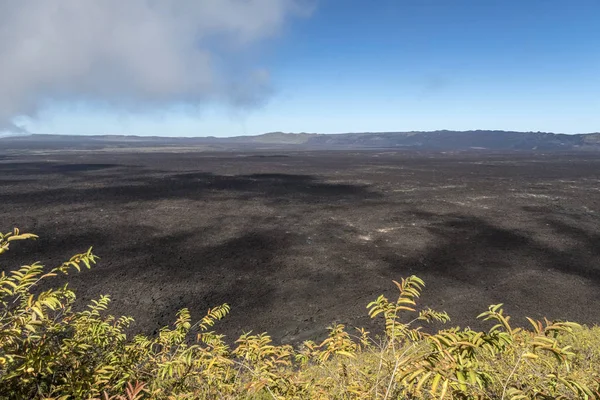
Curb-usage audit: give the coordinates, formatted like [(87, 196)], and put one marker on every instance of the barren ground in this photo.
[(294, 241)]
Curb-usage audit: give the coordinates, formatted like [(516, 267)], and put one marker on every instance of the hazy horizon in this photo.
[(9, 135)]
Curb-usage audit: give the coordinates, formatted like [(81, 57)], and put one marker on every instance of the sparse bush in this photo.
[(50, 351)]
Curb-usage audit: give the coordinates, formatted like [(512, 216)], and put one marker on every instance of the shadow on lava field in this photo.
[(297, 241)]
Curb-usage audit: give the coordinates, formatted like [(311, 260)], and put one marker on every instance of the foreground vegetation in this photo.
[(50, 351)]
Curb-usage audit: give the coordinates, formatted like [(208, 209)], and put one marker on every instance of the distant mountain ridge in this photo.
[(432, 140)]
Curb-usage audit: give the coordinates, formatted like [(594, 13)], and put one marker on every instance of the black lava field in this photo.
[(294, 241)]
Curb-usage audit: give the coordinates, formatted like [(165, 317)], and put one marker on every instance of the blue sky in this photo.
[(396, 65)]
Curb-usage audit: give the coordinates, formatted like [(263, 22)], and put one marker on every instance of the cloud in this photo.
[(9, 127), (134, 55), (432, 85)]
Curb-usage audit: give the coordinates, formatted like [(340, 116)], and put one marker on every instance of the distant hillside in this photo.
[(277, 138), (434, 141), (453, 140)]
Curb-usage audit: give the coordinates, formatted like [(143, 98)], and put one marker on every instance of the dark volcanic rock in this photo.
[(294, 243)]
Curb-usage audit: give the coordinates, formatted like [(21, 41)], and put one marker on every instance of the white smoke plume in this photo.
[(133, 54)]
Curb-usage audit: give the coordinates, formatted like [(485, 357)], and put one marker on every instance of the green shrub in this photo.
[(50, 351)]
